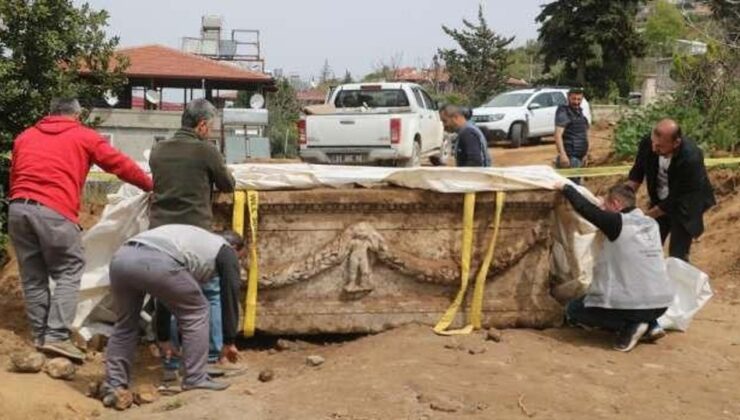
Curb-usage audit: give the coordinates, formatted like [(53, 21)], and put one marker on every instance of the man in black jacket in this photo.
[(677, 183)]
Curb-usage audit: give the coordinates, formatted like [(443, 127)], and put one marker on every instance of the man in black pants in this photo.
[(677, 183), (630, 289)]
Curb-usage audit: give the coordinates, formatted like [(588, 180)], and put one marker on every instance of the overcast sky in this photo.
[(298, 35)]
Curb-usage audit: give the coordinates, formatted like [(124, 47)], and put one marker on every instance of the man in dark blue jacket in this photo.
[(471, 148)]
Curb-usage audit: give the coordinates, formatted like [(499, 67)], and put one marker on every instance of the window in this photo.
[(419, 100), (544, 100), (431, 103), (558, 98), (371, 98), (509, 99)]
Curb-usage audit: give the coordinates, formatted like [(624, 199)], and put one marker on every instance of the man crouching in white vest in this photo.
[(630, 289)]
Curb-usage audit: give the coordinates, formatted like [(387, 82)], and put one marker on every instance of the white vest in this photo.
[(630, 272)]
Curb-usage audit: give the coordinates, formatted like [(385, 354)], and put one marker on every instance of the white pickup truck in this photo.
[(374, 124)]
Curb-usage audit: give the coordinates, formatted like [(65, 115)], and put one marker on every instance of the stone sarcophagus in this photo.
[(366, 260)]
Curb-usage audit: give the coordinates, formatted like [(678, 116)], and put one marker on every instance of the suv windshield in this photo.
[(509, 99), (371, 98)]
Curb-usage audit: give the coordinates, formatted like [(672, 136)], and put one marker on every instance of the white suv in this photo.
[(523, 116)]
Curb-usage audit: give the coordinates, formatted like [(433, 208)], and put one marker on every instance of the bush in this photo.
[(706, 104), (637, 125)]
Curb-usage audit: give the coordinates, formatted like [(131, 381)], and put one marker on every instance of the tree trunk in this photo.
[(581, 73)]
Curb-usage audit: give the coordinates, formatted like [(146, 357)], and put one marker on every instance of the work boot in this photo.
[(64, 348), (208, 385), (629, 336)]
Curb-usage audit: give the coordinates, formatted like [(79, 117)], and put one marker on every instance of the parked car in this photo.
[(523, 116), (373, 124)]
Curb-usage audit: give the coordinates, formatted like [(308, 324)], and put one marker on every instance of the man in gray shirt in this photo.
[(170, 263)]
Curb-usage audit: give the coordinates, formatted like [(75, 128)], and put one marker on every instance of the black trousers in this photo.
[(610, 319), (680, 244)]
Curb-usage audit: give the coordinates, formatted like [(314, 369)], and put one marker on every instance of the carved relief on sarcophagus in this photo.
[(365, 260)]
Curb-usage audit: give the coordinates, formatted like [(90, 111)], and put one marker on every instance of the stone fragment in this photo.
[(27, 362), (60, 368), (146, 394), (315, 360), (493, 335), (477, 350), (266, 375)]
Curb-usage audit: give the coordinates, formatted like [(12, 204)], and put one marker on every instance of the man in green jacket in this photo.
[(185, 169)]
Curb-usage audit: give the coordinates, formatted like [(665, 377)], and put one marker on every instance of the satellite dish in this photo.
[(110, 98), (152, 96), (257, 101)]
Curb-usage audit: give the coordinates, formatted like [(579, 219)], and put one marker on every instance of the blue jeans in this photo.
[(574, 164), (212, 292)]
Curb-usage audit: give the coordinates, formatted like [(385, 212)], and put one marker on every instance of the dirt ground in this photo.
[(410, 373)]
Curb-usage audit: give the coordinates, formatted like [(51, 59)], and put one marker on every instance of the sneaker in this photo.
[(654, 333), (215, 372), (209, 385), (629, 336), (64, 348)]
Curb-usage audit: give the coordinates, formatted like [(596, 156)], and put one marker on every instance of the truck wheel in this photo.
[(518, 135), (415, 159)]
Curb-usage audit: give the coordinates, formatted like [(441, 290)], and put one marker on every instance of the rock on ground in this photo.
[(60, 368), (27, 362), (493, 335), (315, 360), (146, 394), (266, 375)]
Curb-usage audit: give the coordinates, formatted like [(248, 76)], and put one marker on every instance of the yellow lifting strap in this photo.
[(249, 200), (475, 315)]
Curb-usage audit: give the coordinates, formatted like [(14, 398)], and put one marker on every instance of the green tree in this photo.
[(43, 45), (525, 62), (478, 68), (665, 24), (284, 114), (595, 40)]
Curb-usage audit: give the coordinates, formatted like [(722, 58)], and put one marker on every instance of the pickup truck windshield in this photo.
[(508, 99), (371, 98)]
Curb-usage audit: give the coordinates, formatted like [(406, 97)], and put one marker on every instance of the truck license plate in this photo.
[(346, 158)]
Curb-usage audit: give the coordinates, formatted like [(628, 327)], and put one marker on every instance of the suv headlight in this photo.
[(489, 118)]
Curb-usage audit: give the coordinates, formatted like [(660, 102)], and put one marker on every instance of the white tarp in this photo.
[(692, 293), (264, 177), (126, 215)]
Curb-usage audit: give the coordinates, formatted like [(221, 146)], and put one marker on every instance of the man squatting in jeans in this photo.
[(630, 289)]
